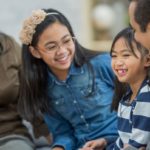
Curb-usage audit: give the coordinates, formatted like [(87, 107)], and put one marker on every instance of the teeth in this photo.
[(121, 71), (62, 58)]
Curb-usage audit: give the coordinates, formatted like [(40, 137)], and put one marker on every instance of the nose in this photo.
[(119, 62), (61, 49)]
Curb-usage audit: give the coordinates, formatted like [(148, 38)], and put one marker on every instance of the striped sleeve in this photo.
[(140, 135), (116, 146)]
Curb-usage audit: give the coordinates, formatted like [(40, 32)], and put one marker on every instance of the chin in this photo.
[(65, 67), (122, 80)]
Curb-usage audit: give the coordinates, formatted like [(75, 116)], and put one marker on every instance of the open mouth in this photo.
[(121, 72), (63, 59)]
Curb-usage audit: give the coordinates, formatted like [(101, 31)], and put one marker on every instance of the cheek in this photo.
[(137, 37), (72, 52), (48, 59), (143, 39), (73, 49)]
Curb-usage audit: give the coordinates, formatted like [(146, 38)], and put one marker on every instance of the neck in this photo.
[(135, 88), (61, 75)]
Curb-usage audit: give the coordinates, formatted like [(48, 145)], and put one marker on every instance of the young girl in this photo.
[(70, 85), (130, 63)]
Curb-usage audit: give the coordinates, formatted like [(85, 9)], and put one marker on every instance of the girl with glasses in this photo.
[(71, 86)]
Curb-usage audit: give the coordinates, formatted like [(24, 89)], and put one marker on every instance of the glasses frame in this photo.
[(58, 46)]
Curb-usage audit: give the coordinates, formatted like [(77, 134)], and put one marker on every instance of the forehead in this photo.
[(54, 32), (121, 43), (56, 29)]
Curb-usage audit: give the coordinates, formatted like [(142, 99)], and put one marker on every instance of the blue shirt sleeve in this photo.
[(61, 130), (105, 69)]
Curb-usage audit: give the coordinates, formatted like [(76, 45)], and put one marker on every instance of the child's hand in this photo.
[(129, 147), (95, 144), (57, 148)]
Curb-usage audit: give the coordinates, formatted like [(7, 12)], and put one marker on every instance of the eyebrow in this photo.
[(122, 50), (52, 42)]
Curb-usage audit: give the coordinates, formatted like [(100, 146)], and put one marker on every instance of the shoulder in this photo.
[(101, 59), (144, 94), (104, 57), (102, 66)]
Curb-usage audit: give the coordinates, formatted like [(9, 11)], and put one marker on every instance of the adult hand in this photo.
[(98, 144)]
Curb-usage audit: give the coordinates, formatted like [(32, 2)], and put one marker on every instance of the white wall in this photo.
[(13, 12)]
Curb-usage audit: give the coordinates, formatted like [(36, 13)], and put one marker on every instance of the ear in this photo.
[(147, 61), (34, 52), (148, 27)]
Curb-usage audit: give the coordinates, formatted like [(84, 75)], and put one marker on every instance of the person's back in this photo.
[(11, 127)]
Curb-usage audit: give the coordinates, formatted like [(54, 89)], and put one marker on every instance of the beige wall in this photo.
[(13, 12)]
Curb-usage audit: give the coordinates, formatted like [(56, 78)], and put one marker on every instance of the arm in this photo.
[(105, 70), (140, 122), (62, 131)]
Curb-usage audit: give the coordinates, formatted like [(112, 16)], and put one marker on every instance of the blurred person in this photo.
[(69, 84), (139, 13), (13, 132)]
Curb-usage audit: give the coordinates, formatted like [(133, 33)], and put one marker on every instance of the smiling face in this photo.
[(140, 36), (56, 48), (127, 67)]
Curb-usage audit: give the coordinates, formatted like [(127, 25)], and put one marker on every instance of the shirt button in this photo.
[(56, 102), (74, 101), (90, 91), (87, 125), (81, 116)]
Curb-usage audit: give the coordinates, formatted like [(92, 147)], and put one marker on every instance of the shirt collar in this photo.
[(129, 91), (74, 70)]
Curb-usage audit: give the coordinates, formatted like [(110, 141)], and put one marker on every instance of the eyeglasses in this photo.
[(67, 42)]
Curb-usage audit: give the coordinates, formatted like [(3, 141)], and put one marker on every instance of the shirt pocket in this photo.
[(96, 98), (59, 104)]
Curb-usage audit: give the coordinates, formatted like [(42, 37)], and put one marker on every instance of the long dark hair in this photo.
[(121, 88), (34, 77)]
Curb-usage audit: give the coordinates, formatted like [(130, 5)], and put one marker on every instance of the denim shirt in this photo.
[(78, 118)]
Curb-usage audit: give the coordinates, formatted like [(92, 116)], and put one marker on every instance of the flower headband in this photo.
[(29, 25)]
